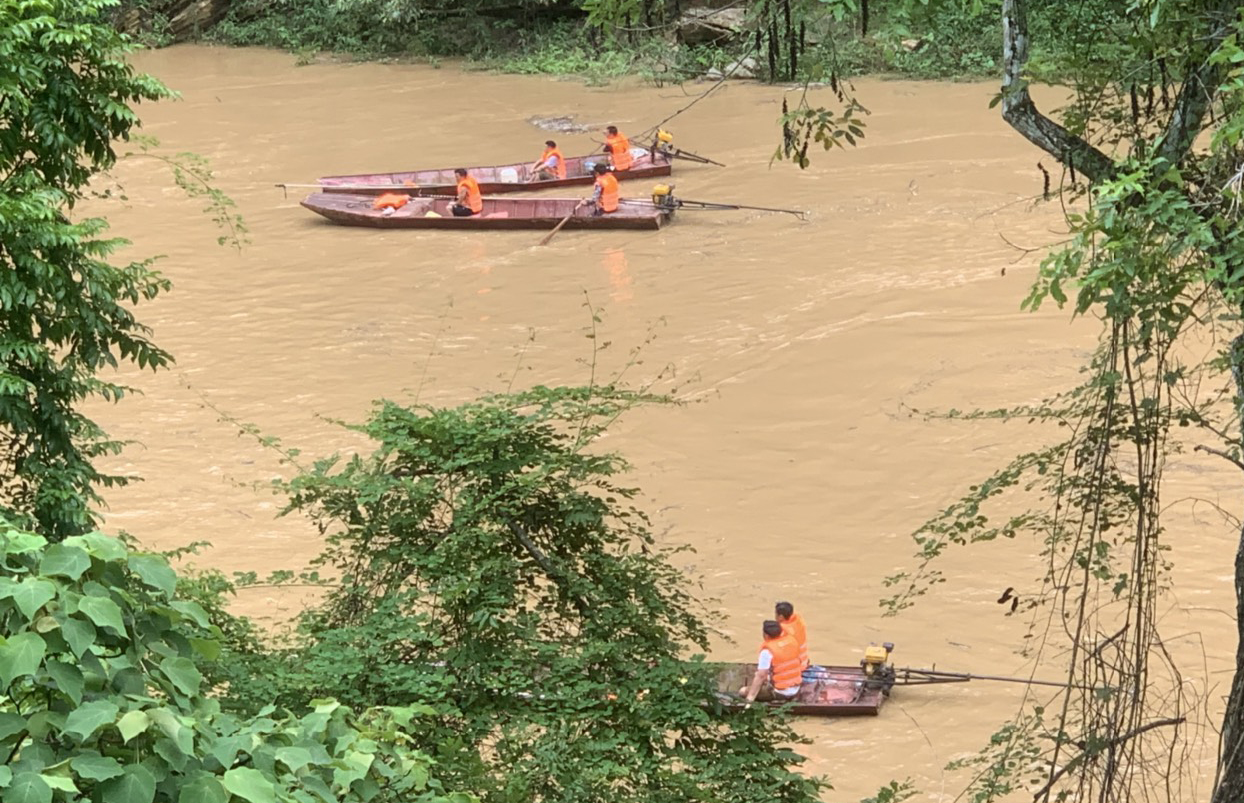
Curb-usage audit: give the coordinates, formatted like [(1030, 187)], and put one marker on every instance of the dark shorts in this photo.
[(459, 210)]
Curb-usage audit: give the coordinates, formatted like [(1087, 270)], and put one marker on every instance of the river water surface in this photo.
[(798, 472)]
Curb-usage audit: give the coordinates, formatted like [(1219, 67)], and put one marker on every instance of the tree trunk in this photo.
[(1201, 78), (1229, 783)]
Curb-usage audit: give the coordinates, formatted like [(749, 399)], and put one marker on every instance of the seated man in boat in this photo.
[(778, 662), (618, 147), (551, 165), (605, 194), (792, 625), (469, 202)]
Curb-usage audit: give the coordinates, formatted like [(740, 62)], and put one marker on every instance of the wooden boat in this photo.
[(838, 691), (497, 178), (498, 213)]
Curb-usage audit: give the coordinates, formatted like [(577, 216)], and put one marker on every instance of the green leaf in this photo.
[(28, 787), (183, 674), (32, 594), (95, 767), (90, 717), (61, 782), (21, 656), (167, 721), (68, 679), (249, 784), (293, 757), (204, 789), (135, 785), (155, 572), (10, 725), (192, 611), (103, 612), (65, 560), (79, 634), (132, 724), (206, 647), (104, 547)]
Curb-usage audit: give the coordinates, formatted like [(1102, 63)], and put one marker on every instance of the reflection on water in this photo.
[(614, 262), (798, 474)]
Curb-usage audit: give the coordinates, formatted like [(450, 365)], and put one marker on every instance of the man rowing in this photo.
[(605, 193), (618, 147), (778, 662), (469, 201), (551, 165)]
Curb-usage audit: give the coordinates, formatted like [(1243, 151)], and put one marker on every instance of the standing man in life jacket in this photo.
[(468, 202), (551, 164), (792, 625), (778, 662), (618, 147), (605, 195)]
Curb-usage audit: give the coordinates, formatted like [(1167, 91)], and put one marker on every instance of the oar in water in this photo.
[(680, 202), (563, 222)]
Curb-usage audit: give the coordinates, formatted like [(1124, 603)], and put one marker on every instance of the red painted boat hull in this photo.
[(498, 214)]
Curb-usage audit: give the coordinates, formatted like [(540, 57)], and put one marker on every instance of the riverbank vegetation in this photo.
[(1151, 149), (787, 40)]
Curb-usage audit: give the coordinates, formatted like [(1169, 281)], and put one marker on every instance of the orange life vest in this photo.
[(473, 201), (786, 670), (390, 200), (794, 628), (560, 168), (608, 192), (620, 149)]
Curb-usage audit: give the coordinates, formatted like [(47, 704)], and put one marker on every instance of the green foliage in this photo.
[(806, 125), (494, 571), (105, 699), (1155, 254), (64, 310)]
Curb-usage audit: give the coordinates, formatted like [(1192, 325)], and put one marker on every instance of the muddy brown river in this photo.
[(797, 472)]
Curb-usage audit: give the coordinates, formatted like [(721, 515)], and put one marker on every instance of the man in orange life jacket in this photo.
[(605, 195), (792, 625), (468, 202), (778, 662), (551, 164), (618, 147)]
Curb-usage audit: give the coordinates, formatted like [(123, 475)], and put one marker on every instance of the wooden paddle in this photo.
[(563, 222)]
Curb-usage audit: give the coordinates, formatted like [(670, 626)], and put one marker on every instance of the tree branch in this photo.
[(1224, 455), (1021, 113), (1115, 742), (1199, 86), (546, 564)]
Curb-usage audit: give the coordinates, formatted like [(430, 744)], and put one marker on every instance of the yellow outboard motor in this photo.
[(878, 671), (663, 197), (664, 141)]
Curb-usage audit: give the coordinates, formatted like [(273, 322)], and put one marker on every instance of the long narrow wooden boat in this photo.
[(838, 691), (498, 213), (496, 178)]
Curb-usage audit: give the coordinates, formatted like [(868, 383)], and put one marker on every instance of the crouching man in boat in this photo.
[(469, 201), (778, 662), (551, 165), (618, 147), (605, 195)]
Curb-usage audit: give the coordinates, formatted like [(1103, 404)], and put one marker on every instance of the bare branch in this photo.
[(1044, 792), (1224, 455)]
